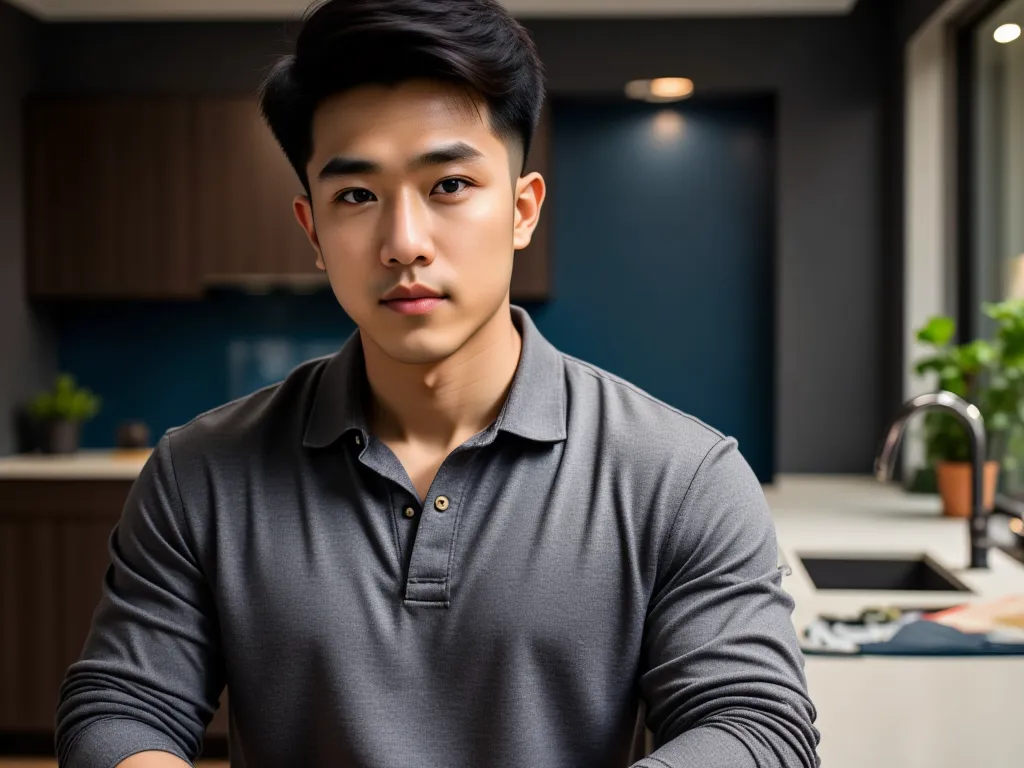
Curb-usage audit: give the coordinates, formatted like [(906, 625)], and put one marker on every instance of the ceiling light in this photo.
[(672, 87), (660, 89), (1007, 33)]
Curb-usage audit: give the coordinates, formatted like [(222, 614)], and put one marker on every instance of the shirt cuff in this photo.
[(107, 742), (703, 747)]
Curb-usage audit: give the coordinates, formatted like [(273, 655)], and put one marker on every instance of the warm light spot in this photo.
[(1007, 33), (660, 89), (675, 87), (668, 126)]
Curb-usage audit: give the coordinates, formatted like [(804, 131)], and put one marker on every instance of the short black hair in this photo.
[(343, 44)]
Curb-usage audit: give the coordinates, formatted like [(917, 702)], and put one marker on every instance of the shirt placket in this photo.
[(430, 569)]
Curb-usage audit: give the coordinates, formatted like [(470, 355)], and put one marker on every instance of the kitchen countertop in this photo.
[(84, 465), (901, 711), (857, 515)]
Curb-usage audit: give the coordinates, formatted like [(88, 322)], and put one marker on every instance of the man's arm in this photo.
[(153, 760), (151, 673), (723, 676)]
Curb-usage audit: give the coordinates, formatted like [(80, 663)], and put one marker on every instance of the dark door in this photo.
[(664, 255)]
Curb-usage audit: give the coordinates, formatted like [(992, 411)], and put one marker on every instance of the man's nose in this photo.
[(406, 237)]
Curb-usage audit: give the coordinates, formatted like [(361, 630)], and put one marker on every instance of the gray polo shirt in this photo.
[(592, 556)]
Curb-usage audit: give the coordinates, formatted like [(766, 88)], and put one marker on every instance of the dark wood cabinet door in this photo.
[(53, 560), (108, 189), (531, 271), (242, 202)]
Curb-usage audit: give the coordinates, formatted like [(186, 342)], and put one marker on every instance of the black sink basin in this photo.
[(910, 574)]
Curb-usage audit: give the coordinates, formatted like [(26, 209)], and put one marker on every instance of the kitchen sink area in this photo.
[(852, 546), (917, 573)]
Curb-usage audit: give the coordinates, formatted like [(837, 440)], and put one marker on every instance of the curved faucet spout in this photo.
[(974, 423)]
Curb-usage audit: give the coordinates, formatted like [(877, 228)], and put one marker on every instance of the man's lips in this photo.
[(413, 291), (419, 306), (414, 299)]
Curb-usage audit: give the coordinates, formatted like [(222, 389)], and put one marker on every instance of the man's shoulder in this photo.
[(627, 414), (251, 424)]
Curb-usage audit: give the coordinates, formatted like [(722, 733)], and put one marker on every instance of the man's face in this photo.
[(411, 189)]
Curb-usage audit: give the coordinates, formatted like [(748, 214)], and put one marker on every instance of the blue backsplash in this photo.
[(165, 363)]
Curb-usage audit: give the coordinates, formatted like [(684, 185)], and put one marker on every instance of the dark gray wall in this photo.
[(907, 18), (834, 364), (26, 350), (911, 14)]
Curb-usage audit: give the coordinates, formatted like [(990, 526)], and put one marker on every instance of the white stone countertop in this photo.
[(858, 516), (903, 711), (83, 465)]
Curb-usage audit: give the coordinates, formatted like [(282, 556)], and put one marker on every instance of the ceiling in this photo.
[(83, 10)]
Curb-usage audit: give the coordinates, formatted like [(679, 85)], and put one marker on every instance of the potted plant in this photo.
[(989, 374), (60, 413)]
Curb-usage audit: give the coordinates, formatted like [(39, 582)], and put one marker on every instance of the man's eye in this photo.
[(451, 186), (356, 196)]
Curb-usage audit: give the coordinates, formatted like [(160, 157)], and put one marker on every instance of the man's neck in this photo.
[(442, 405)]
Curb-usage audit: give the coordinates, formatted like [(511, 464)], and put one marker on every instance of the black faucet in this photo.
[(975, 425)]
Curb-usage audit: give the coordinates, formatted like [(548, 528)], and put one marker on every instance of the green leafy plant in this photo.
[(65, 402), (989, 374)]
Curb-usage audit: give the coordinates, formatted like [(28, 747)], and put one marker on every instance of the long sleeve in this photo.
[(151, 672), (724, 677)]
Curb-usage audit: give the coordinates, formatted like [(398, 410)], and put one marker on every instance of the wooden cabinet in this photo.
[(243, 225), (53, 559), (107, 196), (162, 198)]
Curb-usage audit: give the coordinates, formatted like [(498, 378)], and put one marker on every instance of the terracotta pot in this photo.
[(954, 481)]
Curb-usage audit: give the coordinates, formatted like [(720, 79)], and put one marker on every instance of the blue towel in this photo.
[(928, 638)]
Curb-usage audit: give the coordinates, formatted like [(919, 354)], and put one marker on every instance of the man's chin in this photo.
[(420, 347)]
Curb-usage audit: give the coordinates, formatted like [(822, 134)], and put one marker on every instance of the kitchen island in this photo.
[(905, 711), (56, 514)]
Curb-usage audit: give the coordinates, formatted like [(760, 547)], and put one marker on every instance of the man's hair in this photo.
[(475, 44)]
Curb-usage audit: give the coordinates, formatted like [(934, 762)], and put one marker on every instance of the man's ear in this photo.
[(303, 208), (530, 193)]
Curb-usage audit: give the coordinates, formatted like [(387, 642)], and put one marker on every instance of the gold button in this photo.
[(441, 503), (410, 512), (359, 440)]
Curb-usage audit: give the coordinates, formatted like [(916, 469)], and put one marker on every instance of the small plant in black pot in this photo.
[(60, 413)]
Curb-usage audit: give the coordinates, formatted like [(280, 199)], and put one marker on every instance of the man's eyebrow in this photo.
[(455, 152), (347, 166), (458, 151)]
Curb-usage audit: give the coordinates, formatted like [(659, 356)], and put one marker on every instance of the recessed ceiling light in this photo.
[(660, 89), (1007, 33)]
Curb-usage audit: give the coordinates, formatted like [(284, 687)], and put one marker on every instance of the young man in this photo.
[(450, 544)]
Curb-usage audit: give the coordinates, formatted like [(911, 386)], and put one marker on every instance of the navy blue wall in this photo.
[(663, 275), (665, 255), (165, 363)]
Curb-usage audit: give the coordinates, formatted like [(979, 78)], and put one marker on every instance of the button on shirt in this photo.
[(593, 561)]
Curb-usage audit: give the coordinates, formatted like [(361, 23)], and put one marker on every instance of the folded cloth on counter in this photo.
[(833, 635), (994, 627), (930, 638)]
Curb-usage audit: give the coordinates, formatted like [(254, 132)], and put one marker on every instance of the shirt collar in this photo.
[(535, 408)]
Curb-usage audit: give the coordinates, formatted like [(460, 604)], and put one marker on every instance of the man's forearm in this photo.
[(153, 760)]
